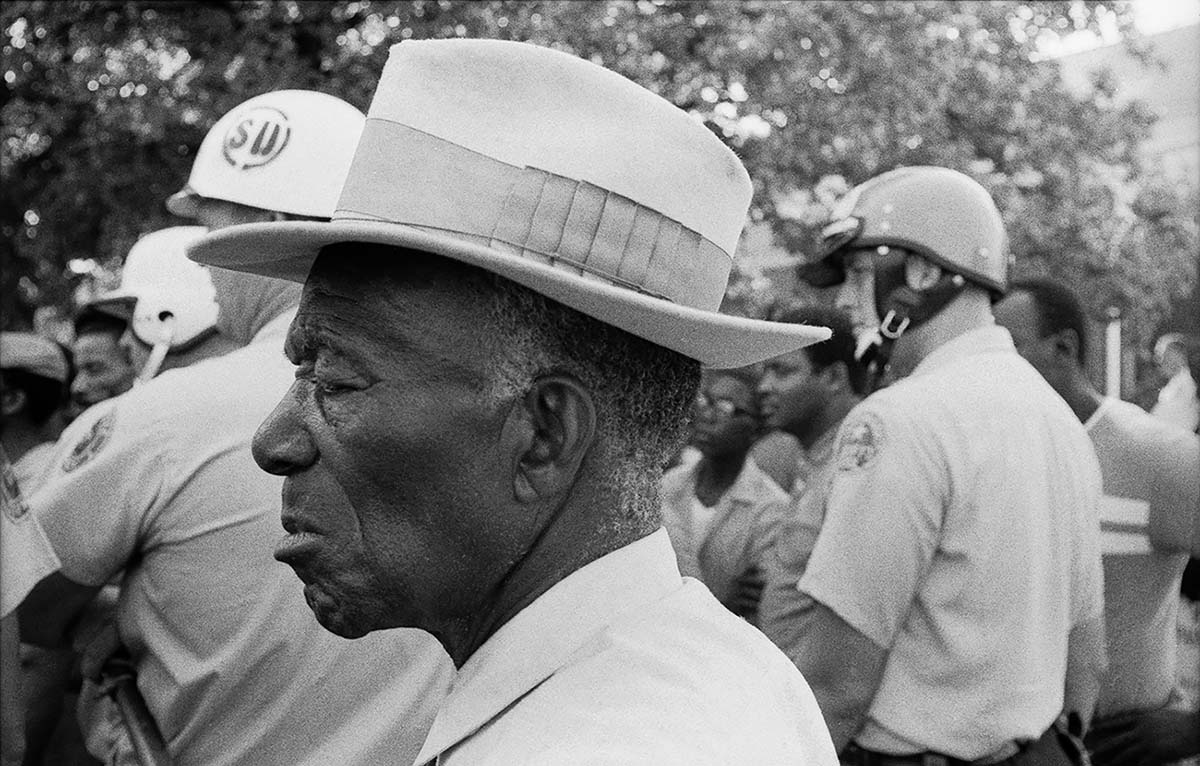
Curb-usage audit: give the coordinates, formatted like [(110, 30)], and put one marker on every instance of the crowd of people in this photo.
[(459, 365)]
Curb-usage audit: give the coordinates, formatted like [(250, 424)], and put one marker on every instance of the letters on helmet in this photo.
[(256, 138)]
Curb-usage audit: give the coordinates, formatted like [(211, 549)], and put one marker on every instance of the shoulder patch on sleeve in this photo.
[(860, 442), (91, 443)]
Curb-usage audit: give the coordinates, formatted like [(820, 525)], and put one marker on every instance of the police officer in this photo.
[(159, 485), (955, 593), (170, 303)]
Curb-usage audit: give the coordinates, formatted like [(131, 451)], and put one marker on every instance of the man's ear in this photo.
[(920, 273), (12, 401), (558, 429), (1066, 346)]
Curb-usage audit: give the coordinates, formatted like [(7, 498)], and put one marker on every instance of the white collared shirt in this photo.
[(625, 662)]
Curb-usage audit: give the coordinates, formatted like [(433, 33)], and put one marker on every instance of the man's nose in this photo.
[(847, 296), (281, 445), (766, 385)]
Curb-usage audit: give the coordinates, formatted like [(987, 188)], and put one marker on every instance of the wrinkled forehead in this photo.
[(389, 306)]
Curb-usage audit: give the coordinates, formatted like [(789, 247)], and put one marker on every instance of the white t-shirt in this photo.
[(624, 662), (960, 535), (159, 484)]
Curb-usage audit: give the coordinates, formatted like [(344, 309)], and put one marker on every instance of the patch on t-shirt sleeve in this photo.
[(91, 443), (860, 442)]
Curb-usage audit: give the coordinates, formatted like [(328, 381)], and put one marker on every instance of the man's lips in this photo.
[(299, 541)]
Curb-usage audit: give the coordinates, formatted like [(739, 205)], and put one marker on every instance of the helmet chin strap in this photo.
[(902, 308)]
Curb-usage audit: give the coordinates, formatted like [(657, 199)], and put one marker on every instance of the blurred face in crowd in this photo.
[(397, 497), (135, 350), (103, 368), (791, 393), (726, 417)]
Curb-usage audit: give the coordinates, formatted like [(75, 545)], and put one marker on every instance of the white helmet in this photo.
[(174, 299), (287, 151), (938, 213)]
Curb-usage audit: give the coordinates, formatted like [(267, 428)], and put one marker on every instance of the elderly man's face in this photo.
[(398, 496)]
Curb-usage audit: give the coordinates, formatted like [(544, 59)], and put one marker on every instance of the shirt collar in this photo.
[(989, 339), (545, 635)]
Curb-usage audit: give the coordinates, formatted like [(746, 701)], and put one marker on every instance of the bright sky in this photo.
[(1151, 17)]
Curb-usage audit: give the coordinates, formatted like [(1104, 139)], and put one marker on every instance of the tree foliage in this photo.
[(104, 104)]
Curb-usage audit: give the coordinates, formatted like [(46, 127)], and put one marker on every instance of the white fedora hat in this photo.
[(550, 171)]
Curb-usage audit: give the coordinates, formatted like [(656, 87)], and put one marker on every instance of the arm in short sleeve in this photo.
[(842, 667), (785, 562), (1087, 652), (106, 478), (1086, 662), (883, 521), (1175, 508)]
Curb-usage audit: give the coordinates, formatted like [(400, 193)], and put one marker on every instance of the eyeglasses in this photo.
[(727, 407)]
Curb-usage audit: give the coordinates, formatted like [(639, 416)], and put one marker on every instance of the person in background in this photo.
[(955, 590), (25, 558), (717, 510), (34, 388), (102, 367), (170, 303), (1147, 517), (500, 336), (34, 385), (1177, 402), (159, 487), (806, 393)]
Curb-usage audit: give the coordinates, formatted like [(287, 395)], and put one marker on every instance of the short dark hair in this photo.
[(839, 348), (1058, 308), (44, 396), (92, 321)]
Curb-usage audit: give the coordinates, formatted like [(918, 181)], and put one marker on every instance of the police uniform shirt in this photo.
[(961, 536), (625, 662), (159, 484), (25, 554), (1151, 474)]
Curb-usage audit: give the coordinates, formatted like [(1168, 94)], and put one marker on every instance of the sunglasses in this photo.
[(726, 407)]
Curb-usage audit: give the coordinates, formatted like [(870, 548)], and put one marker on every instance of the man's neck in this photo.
[(716, 473), (969, 311), (576, 534), (828, 418), (1081, 396)]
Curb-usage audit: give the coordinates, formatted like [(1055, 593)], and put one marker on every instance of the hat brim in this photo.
[(184, 203), (287, 250)]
